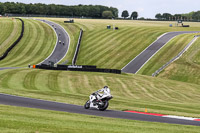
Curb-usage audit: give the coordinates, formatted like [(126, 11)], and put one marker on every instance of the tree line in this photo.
[(93, 11), (125, 14), (192, 16)]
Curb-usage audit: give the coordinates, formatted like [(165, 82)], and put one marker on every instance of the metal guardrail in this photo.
[(176, 57), (77, 48)]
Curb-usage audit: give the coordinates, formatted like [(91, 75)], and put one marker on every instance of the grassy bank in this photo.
[(10, 30), (36, 45), (24, 120), (131, 92), (168, 52), (186, 69)]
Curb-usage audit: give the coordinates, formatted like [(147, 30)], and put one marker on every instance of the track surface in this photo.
[(138, 62), (49, 105), (60, 49), (3, 68)]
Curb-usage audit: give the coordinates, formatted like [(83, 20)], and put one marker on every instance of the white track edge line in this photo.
[(56, 41)]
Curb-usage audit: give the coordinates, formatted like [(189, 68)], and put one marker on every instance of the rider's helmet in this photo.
[(107, 89)]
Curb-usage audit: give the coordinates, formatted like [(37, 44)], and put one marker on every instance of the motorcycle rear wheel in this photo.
[(87, 105), (105, 106)]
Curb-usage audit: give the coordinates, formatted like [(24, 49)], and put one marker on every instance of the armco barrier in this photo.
[(71, 66), (78, 68), (77, 48), (15, 43)]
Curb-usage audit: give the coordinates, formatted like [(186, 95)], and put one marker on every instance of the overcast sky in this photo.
[(145, 8)]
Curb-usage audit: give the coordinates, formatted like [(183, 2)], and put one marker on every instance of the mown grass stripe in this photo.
[(111, 54), (33, 47), (102, 47), (5, 78), (101, 39), (12, 36), (30, 80), (37, 44), (21, 49)]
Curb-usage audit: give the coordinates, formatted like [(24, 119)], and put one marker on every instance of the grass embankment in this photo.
[(187, 68), (131, 92), (114, 49), (9, 31), (24, 120), (36, 45), (169, 51)]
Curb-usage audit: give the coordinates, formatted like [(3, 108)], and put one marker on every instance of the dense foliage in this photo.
[(94, 11), (187, 16), (125, 14), (134, 15)]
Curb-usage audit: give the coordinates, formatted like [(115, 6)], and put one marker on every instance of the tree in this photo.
[(107, 14), (158, 16), (196, 16), (166, 16), (125, 14), (134, 15)]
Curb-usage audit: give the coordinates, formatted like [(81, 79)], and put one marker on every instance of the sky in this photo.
[(145, 8)]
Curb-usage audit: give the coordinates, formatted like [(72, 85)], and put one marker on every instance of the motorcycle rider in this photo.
[(98, 94)]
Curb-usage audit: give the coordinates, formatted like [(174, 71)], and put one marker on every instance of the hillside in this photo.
[(187, 68), (10, 30), (114, 49), (37, 44)]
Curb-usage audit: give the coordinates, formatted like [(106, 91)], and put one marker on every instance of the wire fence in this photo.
[(176, 57)]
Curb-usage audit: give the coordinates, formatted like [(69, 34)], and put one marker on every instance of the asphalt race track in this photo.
[(62, 44), (3, 68), (49, 105), (139, 61)]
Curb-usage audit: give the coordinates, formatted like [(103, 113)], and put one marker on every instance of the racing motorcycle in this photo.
[(98, 101)]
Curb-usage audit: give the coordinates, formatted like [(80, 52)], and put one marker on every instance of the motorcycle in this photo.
[(98, 101)]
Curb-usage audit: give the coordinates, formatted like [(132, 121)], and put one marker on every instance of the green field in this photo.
[(24, 120), (9, 31), (131, 92), (36, 45), (114, 49)]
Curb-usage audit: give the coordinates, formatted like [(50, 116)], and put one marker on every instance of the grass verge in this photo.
[(25, 120)]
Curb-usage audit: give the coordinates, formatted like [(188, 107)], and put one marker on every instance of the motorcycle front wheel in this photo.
[(87, 105), (105, 106)]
